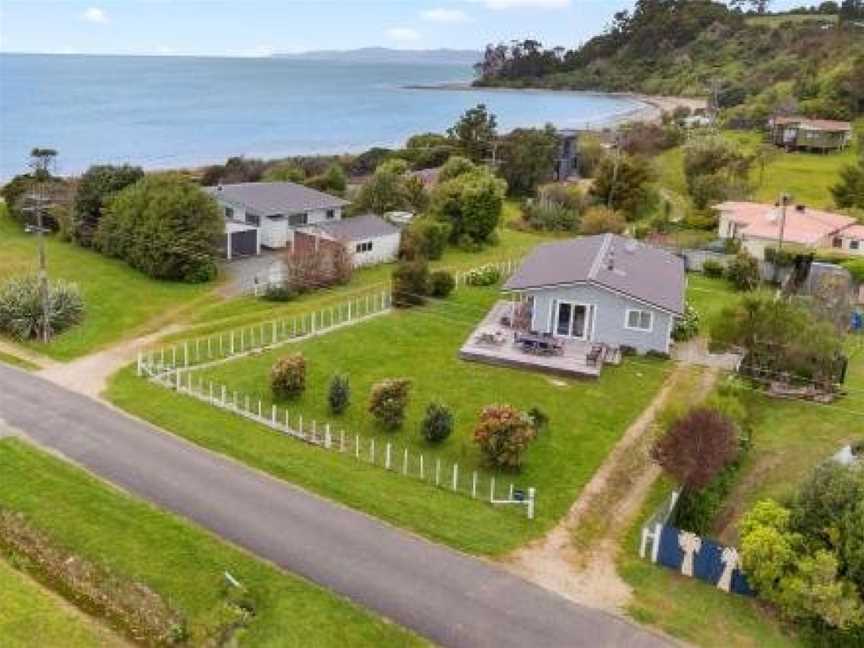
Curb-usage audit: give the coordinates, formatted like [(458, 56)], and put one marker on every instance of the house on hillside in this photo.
[(567, 157), (759, 225), (573, 305), (802, 133), (270, 213), (369, 239)]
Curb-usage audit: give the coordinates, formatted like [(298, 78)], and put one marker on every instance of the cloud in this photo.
[(525, 4), (95, 15), (445, 16), (403, 34)]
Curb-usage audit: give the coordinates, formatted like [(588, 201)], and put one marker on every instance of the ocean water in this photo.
[(174, 111)]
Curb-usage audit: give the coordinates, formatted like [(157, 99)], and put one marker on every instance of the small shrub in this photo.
[(288, 376), (441, 283), (339, 394), (437, 424), (279, 293), (743, 271), (779, 257), (600, 220), (713, 269), (696, 510), (388, 401), (21, 309), (503, 434), (410, 283), (686, 327), (487, 275)]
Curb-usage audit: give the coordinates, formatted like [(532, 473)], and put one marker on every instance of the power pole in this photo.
[(41, 162), (785, 199)]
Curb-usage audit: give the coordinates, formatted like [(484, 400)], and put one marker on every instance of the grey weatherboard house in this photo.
[(604, 289)]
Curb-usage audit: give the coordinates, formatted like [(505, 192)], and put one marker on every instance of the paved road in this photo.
[(448, 597)]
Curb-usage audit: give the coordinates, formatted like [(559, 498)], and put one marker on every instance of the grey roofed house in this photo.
[(366, 226), (267, 198), (615, 263)]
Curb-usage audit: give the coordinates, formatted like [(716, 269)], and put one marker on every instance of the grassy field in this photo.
[(33, 616), (790, 438), (119, 301), (15, 361), (689, 609), (178, 560), (808, 177), (587, 418)]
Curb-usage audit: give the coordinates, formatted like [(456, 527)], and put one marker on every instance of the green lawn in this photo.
[(808, 177), (587, 418), (119, 301), (181, 562), (709, 297), (689, 609), (32, 616), (790, 438)]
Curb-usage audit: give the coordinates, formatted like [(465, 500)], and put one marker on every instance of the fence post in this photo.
[(274, 331), (259, 409), (387, 458), (437, 472), (224, 395), (531, 493), (655, 549), (492, 490), (349, 311), (342, 441), (357, 445), (140, 360), (421, 466), (312, 326), (510, 495), (327, 437), (372, 450), (173, 356), (287, 424), (273, 415), (405, 462), (300, 427), (474, 485), (455, 476), (314, 430)]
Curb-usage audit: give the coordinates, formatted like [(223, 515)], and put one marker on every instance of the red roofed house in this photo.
[(758, 226), (824, 135)]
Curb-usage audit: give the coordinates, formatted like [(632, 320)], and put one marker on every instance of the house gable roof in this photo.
[(608, 261), (827, 125), (356, 228), (270, 198), (806, 227)]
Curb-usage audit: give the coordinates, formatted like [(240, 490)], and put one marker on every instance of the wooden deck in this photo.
[(573, 362)]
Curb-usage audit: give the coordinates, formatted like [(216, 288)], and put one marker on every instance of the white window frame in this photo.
[(641, 311), (589, 319)]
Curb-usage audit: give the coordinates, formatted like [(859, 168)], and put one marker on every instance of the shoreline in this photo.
[(652, 110)]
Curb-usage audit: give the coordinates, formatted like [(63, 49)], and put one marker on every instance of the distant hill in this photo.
[(754, 66), (387, 55)]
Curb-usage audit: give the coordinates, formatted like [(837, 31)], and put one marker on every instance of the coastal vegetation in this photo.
[(751, 68)]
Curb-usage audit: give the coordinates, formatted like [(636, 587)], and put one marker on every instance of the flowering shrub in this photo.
[(503, 434), (487, 275), (288, 376), (388, 400), (686, 327)]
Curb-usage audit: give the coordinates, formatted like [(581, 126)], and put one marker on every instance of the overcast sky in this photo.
[(259, 27)]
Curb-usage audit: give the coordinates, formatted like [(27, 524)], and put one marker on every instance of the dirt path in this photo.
[(604, 511), (89, 375)]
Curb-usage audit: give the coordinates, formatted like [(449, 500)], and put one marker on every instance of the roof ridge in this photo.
[(598, 260)]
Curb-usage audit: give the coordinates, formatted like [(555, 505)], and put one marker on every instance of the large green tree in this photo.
[(716, 170), (164, 226), (98, 184), (471, 203), (623, 183), (475, 132), (527, 158)]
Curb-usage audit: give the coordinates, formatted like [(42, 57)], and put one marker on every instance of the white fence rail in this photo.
[(236, 343), (387, 455), (174, 367)]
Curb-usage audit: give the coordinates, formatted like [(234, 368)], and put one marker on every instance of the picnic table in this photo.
[(539, 344)]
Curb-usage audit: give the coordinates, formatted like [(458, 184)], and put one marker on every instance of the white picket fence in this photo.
[(219, 347), (173, 367), (387, 455)]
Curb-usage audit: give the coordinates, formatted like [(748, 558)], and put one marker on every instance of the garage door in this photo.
[(244, 243)]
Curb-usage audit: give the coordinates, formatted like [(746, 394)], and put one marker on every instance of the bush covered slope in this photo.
[(756, 65)]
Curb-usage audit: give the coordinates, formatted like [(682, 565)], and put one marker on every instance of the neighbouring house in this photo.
[(697, 121), (369, 239), (802, 133), (760, 225), (275, 209), (567, 157), (574, 305)]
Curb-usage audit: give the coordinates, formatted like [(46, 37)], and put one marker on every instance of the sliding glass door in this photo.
[(571, 320)]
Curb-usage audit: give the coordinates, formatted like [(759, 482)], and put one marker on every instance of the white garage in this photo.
[(369, 238)]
